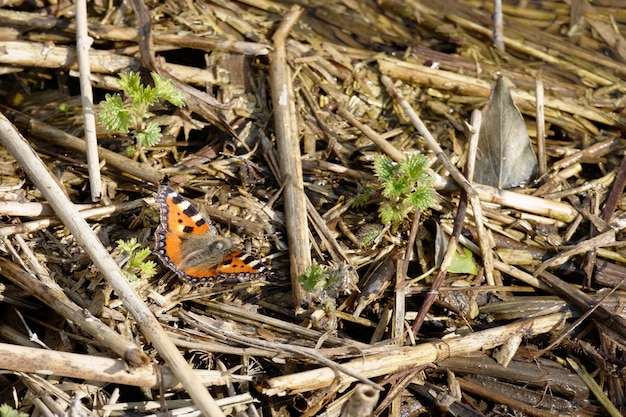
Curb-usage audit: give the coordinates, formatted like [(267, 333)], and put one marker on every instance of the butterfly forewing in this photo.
[(178, 216)]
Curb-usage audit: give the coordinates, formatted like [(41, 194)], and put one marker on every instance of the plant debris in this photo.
[(335, 142)]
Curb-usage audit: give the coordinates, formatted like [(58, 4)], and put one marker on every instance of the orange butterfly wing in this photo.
[(179, 219)]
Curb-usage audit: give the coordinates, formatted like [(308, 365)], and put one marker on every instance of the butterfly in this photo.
[(191, 246)]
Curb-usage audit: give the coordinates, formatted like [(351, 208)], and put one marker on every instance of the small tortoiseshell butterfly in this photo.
[(189, 245)]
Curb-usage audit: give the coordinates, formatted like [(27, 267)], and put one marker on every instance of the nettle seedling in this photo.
[(137, 267), (324, 285), (8, 411), (133, 113), (406, 186)]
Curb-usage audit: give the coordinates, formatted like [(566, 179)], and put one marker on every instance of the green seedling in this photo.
[(324, 285), (123, 115), (406, 186), (137, 266), (8, 411), (317, 278)]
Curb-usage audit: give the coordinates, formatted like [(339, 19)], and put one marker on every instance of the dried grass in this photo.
[(286, 109)]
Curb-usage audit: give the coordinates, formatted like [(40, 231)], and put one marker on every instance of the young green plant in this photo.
[(118, 114), (137, 266), (8, 411), (406, 186), (325, 284)]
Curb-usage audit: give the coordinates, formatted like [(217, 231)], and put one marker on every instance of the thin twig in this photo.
[(393, 152), (578, 321), (83, 43), (47, 133), (498, 25), (459, 221), (397, 358), (299, 350), (51, 294), (541, 127), (583, 301), (594, 387)]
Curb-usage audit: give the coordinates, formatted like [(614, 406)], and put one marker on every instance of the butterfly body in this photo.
[(191, 246)]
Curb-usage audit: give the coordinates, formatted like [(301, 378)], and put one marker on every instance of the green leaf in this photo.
[(315, 276), (384, 168), (127, 246), (130, 82), (368, 233), (396, 187), (362, 197), (142, 96), (130, 276), (463, 263), (391, 214), (143, 254), (113, 114), (148, 269), (151, 136), (414, 166), (422, 198), (166, 90)]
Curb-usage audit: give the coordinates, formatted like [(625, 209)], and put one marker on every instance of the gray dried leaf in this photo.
[(505, 156)]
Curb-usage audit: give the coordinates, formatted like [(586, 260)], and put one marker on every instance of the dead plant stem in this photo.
[(459, 221), (47, 133), (398, 358), (83, 44), (287, 143), (541, 126), (278, 347), (393, 152), (51, 294)]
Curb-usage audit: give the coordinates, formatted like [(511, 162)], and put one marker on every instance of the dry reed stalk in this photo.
[(283, 100), (335, 68), (361, 402), (41, 210), (400, 357), (51, 294), (227, 312), (434, 147), (476, 87), (215, 330), (23, 53), (183, 407), (93, 368)]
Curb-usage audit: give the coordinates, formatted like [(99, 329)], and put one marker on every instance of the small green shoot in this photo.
[(407, 186), (8, 411), (118, 115), (137, 266), (317, 278), (325, 284), (67, 109)]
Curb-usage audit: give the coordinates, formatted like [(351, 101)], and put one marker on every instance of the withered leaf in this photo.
[(505, 156)]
